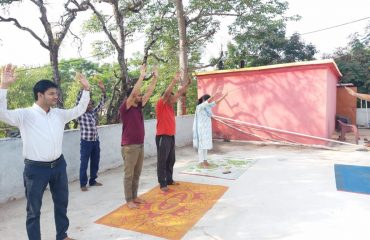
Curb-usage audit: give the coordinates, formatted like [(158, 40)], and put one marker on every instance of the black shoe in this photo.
[(96, 184)]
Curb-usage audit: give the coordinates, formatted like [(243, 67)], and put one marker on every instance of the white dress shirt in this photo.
[(42, 132)]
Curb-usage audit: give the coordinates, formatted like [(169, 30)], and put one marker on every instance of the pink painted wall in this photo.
[(331, 106), (298, 97)]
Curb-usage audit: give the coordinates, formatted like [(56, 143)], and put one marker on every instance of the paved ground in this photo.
[(289, 193)]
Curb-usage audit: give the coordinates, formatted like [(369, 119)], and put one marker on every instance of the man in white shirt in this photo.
[(42, 129)]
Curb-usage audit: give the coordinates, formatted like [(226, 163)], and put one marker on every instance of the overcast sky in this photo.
[(19, 48)]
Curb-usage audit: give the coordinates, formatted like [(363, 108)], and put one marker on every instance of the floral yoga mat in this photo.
[(167, 214), (227, 167)]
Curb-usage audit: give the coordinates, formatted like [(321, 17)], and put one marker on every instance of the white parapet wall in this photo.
[(12, 162)]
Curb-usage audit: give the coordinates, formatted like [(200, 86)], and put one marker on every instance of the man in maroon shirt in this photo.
[(165, 136), (133, 136)]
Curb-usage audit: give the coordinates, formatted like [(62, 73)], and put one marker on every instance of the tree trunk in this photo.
[(183, 55), (119, 93), (54, 52)]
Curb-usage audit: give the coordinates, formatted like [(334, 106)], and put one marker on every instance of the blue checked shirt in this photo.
[(89, 120)]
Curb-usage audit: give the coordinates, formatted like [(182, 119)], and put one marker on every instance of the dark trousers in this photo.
[(89, 150), (36, 178), (165, 159)]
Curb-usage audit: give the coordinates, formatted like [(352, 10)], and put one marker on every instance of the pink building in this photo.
[(298, 97)]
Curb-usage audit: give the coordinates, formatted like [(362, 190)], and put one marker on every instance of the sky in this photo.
[(19, 48)]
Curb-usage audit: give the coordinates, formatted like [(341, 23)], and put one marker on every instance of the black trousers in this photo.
[(165, 159)]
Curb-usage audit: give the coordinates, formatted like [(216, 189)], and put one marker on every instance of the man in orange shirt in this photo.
[(165, 136)]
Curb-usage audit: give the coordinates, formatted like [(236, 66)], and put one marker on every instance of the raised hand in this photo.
[(143, 70), (222, 97), (7, 76), (84, 82)]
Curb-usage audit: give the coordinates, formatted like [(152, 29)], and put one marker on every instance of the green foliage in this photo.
[(266, 47), (94, 73), (166, 73), (20, 93), (252, 20), (296, 50), (192, 97), (260, 24), (258, 32), (354, 61), (165, 77), (132, 23), (258, 28), (101, 48), (68, 70), (72, 93)]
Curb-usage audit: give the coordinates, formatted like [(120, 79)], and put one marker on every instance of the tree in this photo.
[(172, 30), (20, 93), (198, 21), (53, 39), (354, 60), (127, 20), (267, 46), (183, 54)]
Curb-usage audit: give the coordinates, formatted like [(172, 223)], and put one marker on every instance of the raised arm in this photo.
[(181, 91), (11, 117), (151, 87), (84, 82), (80, 109), (7, 78), (358, 95), (84, 86), (103, 97), (222, 98), (167, 93), (136, 90)]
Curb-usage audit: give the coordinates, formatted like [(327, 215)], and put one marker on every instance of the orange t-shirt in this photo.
[(165, 118)]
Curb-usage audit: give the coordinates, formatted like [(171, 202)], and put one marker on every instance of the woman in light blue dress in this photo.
[(202, 127)]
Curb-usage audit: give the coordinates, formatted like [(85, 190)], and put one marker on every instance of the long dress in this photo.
[(202, 126)]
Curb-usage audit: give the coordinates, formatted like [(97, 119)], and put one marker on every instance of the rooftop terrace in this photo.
[(288, 193)]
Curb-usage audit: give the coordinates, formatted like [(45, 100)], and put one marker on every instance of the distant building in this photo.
[(298, 97)]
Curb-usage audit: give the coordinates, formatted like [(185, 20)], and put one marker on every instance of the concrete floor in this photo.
[(289, 193)]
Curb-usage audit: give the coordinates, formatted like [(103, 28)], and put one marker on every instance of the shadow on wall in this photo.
[(293, 100)]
